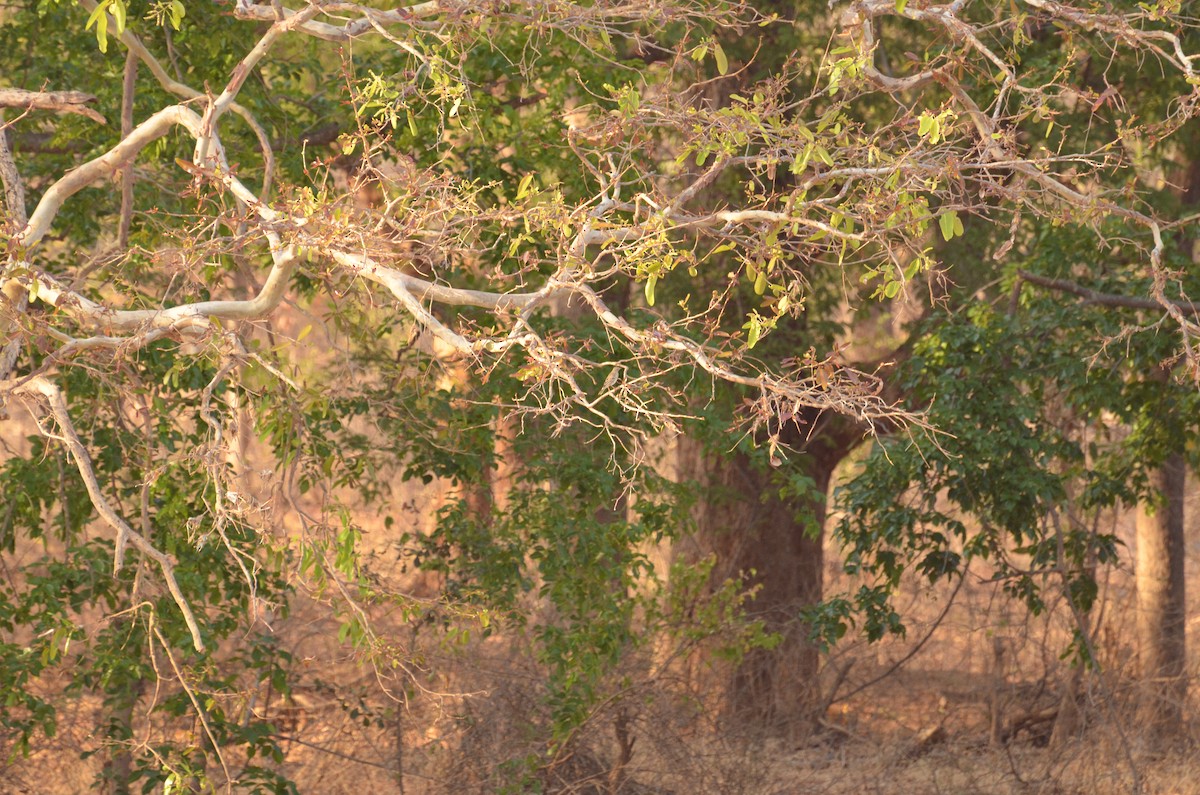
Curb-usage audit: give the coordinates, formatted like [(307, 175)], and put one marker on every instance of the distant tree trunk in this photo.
[(119, 764), (1161, 617)]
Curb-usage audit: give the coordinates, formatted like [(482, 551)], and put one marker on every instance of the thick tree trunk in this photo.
[(778, 546), (1162, 618), (778, 689)]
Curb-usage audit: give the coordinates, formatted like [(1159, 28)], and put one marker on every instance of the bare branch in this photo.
[(107, 165), (59, 101), (1091, 296), (128, 89), (225, 101)]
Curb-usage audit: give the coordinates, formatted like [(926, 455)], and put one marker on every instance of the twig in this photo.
[(128, 88)]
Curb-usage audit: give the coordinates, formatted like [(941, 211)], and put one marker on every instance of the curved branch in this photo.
[(242, 71), (125, 533), (1091, 296), (107, 165), (185, 318), (173, 86)]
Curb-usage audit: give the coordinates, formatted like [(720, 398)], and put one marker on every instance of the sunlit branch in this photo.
[(173, 86), (126, 535), (59, 101)]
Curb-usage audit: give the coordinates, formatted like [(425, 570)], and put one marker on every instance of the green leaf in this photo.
[(760, 283), (100, 19), (722, 61), (95, 15), (900, 6), (651, 281), (102, 32), (950, 225), (523, 188)]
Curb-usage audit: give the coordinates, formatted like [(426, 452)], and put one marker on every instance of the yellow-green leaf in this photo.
[(722, 61), (760, 283), (95, 16), (651, 281), (949, 224), (117, 9), (523, 188), (102, 32)]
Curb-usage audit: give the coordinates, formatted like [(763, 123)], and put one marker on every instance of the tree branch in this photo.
[(1090, 296), (125, 533), (173, 86), (57, 101)]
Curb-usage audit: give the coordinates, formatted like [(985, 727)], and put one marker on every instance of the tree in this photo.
[(528, 211)]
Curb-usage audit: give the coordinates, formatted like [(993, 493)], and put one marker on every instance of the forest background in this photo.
[(597, 397)]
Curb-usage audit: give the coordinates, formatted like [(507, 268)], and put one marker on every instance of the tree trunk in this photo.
[(778, 689), (1161, 617), (777, 545)]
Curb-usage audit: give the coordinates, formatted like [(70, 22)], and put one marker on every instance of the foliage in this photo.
[(357, 247), (1042, 431)]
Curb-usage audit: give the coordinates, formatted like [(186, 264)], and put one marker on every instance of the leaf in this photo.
[(102, 32), (651, 281), (925, 125), (949, 224), (96, 14), (891, 289), (760, 283), (753, 333), (117, 9), (900, 6), (412, 123), (722, 61), (523, 188)]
